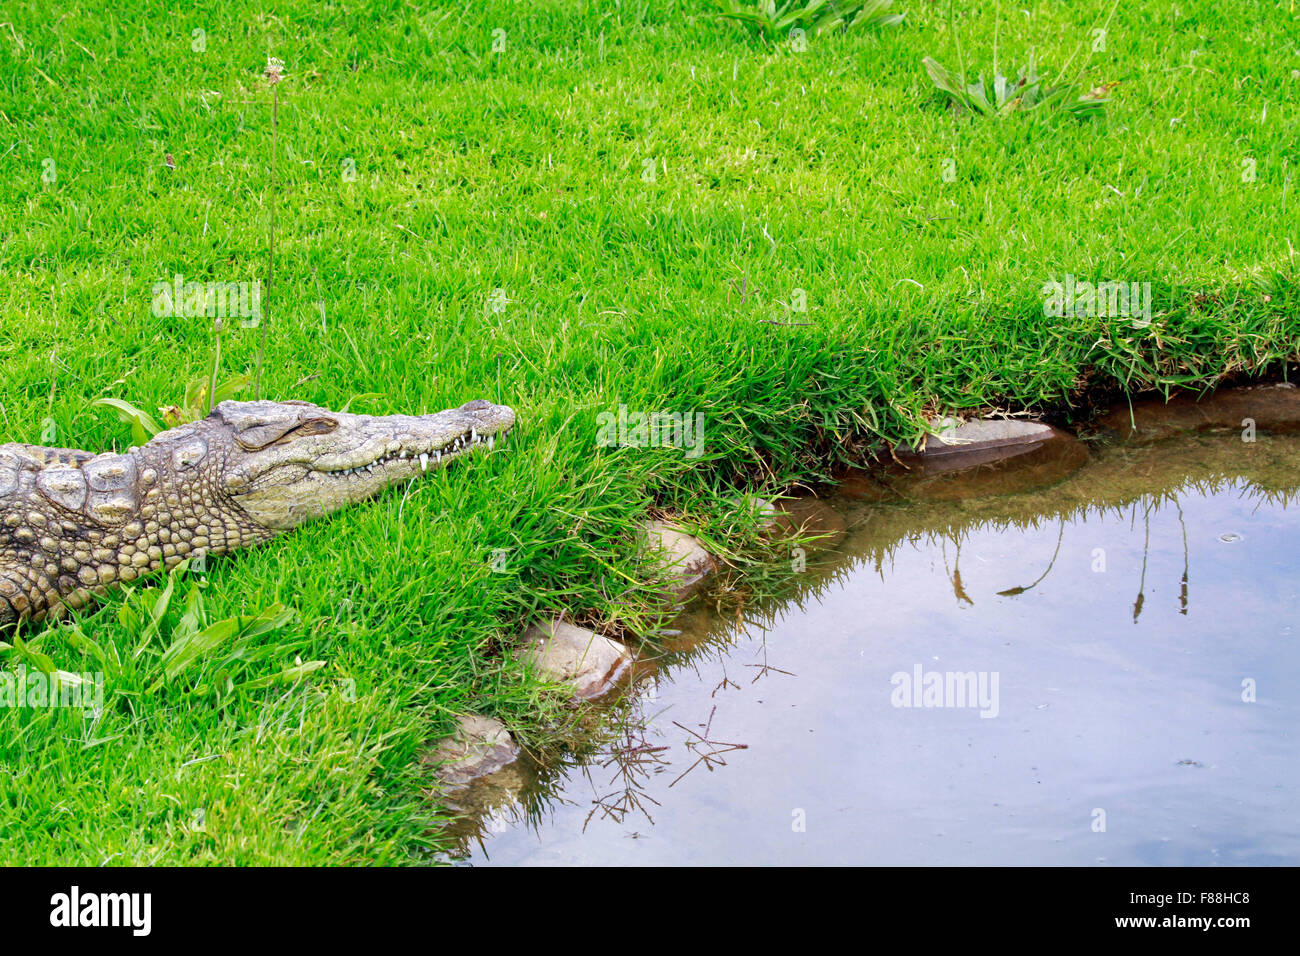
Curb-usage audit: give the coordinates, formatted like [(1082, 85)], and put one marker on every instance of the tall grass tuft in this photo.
[(816, 17)]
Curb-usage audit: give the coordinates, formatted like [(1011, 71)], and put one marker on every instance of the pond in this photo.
[(1102, 671)]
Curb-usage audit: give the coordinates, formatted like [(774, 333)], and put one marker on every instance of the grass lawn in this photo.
[(809, 248)]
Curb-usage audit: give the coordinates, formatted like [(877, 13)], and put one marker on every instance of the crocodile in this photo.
[(74, 524)]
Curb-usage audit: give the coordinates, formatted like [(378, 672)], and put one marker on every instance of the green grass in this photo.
[(529, 170)]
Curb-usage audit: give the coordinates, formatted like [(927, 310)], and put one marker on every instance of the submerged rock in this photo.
[(679, 553), (479, 746), (862, 486), (806, 516), (485, 804), (1271, 408), (586, 661), (985, 457)]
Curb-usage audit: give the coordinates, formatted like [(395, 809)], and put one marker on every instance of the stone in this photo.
[(498, 796), (679, 553), (984, 457), (978, 438), (862, 486), (1273, 408), (479, 746), (588, 662)]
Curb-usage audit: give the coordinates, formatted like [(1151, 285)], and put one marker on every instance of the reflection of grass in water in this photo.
[(614, 747), (1119, 482), (1060, 536), (1115, 484), (611, 750)]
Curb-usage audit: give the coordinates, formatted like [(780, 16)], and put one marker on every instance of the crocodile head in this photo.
[(288, 462)]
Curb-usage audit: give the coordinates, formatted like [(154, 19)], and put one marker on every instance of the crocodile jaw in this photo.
[(285, 485)]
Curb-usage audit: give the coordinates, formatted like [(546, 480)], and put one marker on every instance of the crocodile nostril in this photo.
[(478, 405)]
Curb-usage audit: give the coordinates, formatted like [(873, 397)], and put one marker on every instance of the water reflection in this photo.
[(1135, 620)]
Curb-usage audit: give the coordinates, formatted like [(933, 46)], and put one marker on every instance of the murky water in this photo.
[(1105, 671)]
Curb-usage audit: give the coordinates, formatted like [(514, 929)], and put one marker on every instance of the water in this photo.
[(1140, 672)]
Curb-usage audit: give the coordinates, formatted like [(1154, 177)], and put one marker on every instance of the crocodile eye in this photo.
[(265, 434), (313, 426)]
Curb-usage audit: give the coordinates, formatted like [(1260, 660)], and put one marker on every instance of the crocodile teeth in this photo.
[(424, 462), (490, 441)]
